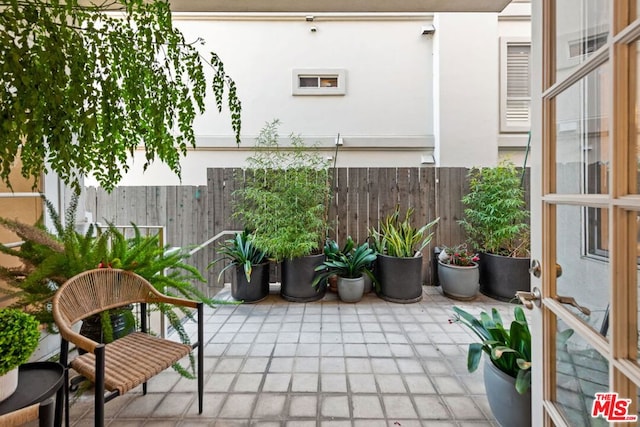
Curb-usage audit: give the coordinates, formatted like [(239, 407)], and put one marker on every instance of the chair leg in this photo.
[(144, 389), (62, 396), (200, 356), (99, 387)]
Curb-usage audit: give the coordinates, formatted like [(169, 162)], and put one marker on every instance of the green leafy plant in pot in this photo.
[(507, 372), (251, 279), (496, 224), (399, 245), (19, 336), (284, 201), (350, 265), (507, 369)]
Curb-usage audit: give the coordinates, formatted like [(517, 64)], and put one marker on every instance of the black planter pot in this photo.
[(254, 291), (400, 278), (501, 277), (297, 276), (122, 323)]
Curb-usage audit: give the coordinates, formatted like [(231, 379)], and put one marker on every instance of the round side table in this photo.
[(37, 383)]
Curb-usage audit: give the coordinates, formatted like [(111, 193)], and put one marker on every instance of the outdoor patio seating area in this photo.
[(324, 363)]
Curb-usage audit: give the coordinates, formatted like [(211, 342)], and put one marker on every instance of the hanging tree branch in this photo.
[(82, 87)]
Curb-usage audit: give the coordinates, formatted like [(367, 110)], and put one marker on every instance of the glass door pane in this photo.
[(581, 372), (582, 136), (582, 27)]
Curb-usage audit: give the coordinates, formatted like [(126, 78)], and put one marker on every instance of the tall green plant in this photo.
[(86, 83), (495, 211), (284, 197)]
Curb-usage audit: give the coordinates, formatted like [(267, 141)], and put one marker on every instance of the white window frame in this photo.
[(505, 125), (338, 73)]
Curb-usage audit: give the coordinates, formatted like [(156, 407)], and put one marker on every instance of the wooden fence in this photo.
[(361, 198)]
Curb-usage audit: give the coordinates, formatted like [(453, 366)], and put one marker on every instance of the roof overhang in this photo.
[(319, 6)]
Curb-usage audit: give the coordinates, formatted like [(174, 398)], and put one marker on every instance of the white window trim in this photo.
[(340, 73), (505, 126)]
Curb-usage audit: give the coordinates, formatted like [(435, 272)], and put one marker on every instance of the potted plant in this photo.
[(284, 201), (350, 265), (458, 272), (48, 260), (19, 336), (496, 225), (507, 371), (399, 245), (507, 368), (249, 263)]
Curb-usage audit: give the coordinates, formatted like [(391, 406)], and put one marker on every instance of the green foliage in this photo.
[(50, 259), (398, 238), (19, 335), (285, 196), (350, 262), (509, 350), (84, 87), (495, 211), (240, 251)]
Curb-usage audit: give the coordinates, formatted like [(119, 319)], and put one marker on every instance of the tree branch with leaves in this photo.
[(83, 85)]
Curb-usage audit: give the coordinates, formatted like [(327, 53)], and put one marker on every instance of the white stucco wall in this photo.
[(408, 95)]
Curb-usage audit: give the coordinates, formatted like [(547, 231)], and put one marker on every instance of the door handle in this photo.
[(529, 298), (572, 302), (536, 268)]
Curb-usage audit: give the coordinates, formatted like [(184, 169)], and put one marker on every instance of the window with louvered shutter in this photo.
[(515, 86)]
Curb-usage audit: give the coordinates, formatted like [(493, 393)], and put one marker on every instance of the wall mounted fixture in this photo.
[(309, 18), (427, 159), (428, 29)]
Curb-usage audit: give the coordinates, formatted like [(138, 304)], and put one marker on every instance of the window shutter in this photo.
[(517, 105)]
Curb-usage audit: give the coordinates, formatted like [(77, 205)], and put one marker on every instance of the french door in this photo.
[(585, 226)]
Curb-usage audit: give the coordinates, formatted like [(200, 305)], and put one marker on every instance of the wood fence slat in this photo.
[(374, 198), (342, 229), (361, 190), (402, 176)]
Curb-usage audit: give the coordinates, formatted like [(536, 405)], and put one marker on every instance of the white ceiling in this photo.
[(305, 6)]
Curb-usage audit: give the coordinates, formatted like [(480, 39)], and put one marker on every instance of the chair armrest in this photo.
[(78, 340), (159, 297)]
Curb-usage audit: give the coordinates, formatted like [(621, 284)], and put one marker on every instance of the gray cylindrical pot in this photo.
[(510, 408), (297, 276), (400, 278), (350, 290), (501, 277), (254, 291), (459, 282)]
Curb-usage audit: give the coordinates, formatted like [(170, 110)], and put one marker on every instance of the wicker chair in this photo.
[(125, 363)]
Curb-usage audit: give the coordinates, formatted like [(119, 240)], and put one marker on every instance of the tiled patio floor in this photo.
[(324, 363)]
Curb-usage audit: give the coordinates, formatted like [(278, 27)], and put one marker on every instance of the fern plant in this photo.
[(48, 260)]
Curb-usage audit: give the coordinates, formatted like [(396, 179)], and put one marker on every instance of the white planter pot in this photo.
[(458, 282), (350, 290), (8, 383)]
